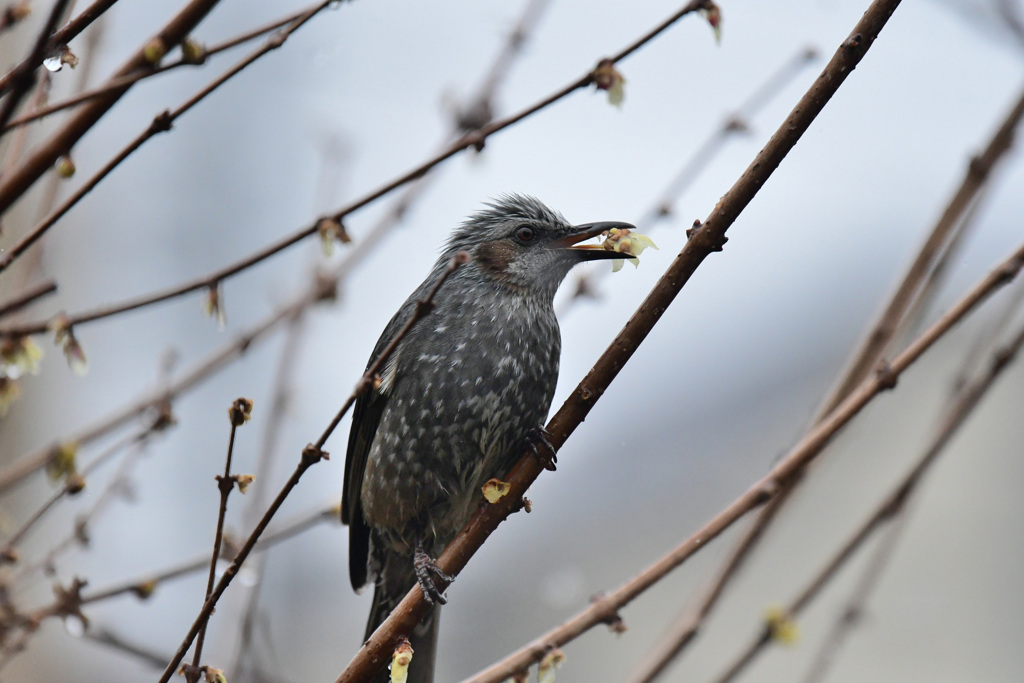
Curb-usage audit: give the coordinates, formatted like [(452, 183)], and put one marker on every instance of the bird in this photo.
[(460, 399)]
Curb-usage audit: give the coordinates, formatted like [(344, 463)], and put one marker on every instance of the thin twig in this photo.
[(72, 486), (35, 460), (160, 124), (145, 585), (681, 633), (238, 415), (23, 77), (311, 455), (30, 295), (709, 238), (604, 609), (474, 139), (894, 503), (123, 81), (732, 125), (61, 37), (14, 183), (103, 636), (284, 377)]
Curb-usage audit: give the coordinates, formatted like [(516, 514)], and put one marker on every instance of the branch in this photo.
[(144, 586), (118, 83), (682, 632), (14, 473), (474, 139), (708, 238), (895, 503), (27, 297), (61, 37), (161, 123), (311, 455), (23, 77), (18, 180), (238, 414)]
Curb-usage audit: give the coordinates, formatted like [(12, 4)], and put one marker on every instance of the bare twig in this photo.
[(238, 414), (732, 125), (29, 296), (894, 504), (72, 485), (474, 139), (685, 628), (123, 81), (279, 403), (708, 238), (19, 179), (23, 77), (108, 638), (61, 37), (36, 460), (311, 455), (160, 124), (145, 585)]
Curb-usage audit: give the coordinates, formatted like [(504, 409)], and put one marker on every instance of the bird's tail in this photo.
[(423, 638)]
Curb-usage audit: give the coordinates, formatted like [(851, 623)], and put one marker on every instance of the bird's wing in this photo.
[(365, 418)]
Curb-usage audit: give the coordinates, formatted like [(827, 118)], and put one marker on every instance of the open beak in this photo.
[(591, 252)]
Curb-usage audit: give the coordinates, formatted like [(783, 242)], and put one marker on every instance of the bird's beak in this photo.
[(590, 252)]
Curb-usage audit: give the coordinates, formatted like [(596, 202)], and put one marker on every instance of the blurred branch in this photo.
[(144, 586), (706, 239), (36, 460), (893, 506), (852, 613), (29, 296), (117, 83), (74, 482), (474, 139), (311, 455), (867, 356), (14, 184), (604, 609), (23, 76), (103, 636), (160, 124)]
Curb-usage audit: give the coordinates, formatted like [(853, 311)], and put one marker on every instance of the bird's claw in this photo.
[(428, 574), (538, 436)]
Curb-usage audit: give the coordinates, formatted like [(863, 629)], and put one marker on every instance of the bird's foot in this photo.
[(428, 574), (540, 444)]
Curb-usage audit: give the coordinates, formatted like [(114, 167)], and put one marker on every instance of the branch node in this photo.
[(311, 455), (885, 375), (853, 42), (162, 122), (693, 229)]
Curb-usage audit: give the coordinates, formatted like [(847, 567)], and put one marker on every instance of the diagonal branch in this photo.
[(681, 633), (706, 239), (605, 609), (893, 506)]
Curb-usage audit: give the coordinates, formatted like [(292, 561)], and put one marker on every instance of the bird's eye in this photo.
[(524, 233)]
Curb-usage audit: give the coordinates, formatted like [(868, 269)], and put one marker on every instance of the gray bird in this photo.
[(458, 402)]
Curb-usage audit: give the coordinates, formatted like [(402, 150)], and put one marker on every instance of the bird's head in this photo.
[(520, 243)]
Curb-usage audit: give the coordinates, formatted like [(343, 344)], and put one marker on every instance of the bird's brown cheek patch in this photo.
[(494, 259)]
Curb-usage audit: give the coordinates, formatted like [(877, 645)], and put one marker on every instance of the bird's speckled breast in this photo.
[(471, 380)]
